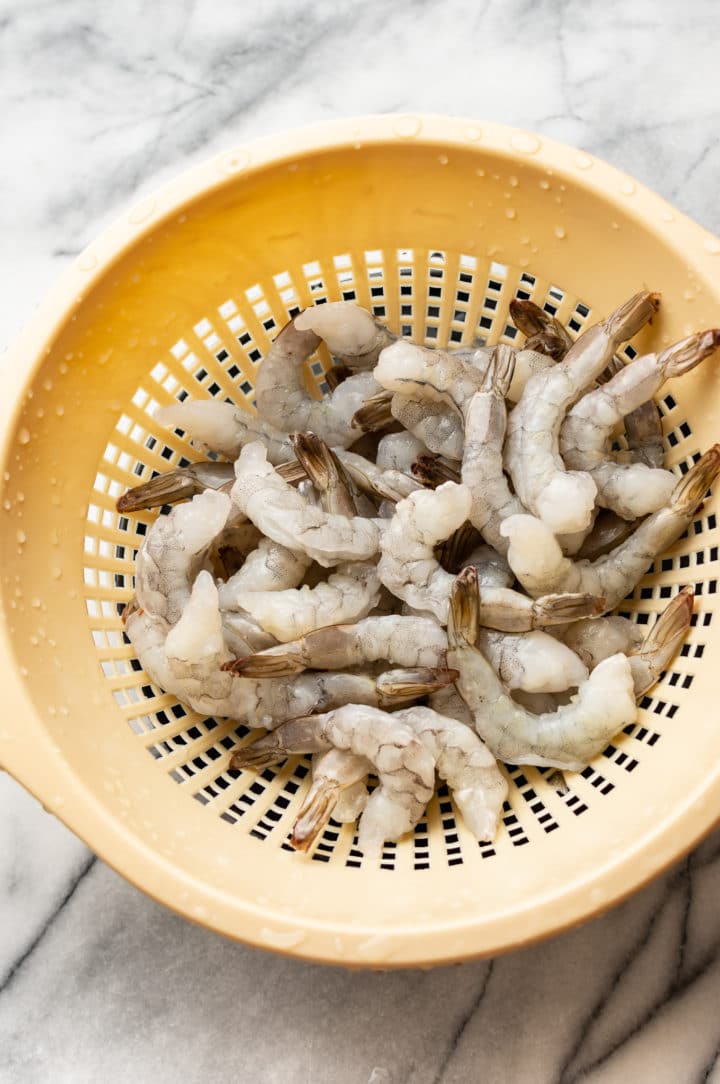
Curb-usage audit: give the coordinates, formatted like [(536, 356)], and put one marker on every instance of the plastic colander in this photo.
[(434, 224)]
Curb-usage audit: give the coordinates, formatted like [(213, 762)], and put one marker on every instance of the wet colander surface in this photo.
[(434, 225)]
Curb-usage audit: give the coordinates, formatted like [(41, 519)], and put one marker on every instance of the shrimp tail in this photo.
[(501, 369), (292, 472), (266, 666), (557, 781), (661, 643), (397, 687), (692, 488), (626, 321), (559, 609), (457, 548), (464, 612), (169, 488), (545, 334), (432, 471), (686, 354), (315, 814), (259, 754), (317, 460), (335, 376), (374, 414)]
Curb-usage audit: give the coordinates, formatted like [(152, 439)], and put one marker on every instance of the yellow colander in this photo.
[(435, 224)]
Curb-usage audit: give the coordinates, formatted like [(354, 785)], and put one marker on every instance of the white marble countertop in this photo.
[(101, 101)]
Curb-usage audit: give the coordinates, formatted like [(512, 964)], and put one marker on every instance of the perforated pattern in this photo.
[(438, 298)]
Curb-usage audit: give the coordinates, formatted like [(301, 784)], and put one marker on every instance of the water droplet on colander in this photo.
[(473, 133), (407, 127), (35, 603), (21, 537), (63, 367), (24, 671), (711, 244), (510, 212), (628, 187), (614, 225), (142, 212), (34, 641), (583, 161), (525, 142), (24, 436), (87, 260), (59, 410), (544, 184), (443, 159), (20, 496), (40, 413), (479, 172), (56, 572), (560, 232), (7, 505), (235, 161), (47, 384), (514, 182), (688, 295)]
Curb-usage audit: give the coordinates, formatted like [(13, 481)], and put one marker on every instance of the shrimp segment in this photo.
[(282, 398), (630, 489), (538, 562), (284, 516), (566, 738), (564, 499), (404, 767), (220, 427), (269, 567), (466, 764)]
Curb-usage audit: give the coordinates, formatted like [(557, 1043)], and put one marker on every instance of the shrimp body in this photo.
[(466, 764), (566, 738), (533, 661), (398, 451), (630, 489), (282, 399), (539, 563), (283, 515), (167, 560), (564, 499), (349, 593), (269, 567), (438, 428), (220, 427), (404, 767)]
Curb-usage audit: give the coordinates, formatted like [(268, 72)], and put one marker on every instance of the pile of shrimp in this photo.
[(414, 576)]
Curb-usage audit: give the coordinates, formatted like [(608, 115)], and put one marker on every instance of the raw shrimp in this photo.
[(482, 465), (176, 485), (391, 485), (282, 399), (468, 767), (404, 767), (375, 414), (533, 661), (327, 474), (408, 567), (566, 738), (398, 451), (538, 562), (449, 702), (407, 369), (403, 641), (168, 559), (492, 568), (334, 774), (564, 499), (284, 516), (269, 567), (630, 489), (644, 435), (220, 427), (545, 334), (349, 593), (649, 655), (433, 423)]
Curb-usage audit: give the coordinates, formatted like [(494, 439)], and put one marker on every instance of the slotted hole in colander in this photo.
[(438, 297)]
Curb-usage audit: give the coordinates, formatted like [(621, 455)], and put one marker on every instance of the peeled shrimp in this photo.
[(398, 451), (448, 702), (337, 774), (533, 661), (468, 767), (482, 465), (630, 489), (166, 563), (404, 767), (269, 567), (564, 499), (408, 567), (439, 429), (538, 562), (566, 738), (349, 593), (282, 399), (284, 516)]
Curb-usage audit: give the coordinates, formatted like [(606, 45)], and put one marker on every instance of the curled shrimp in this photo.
[(482, 465), (349, 593), (648, 655), (282, 399), (284, 516), (404, 767), (564, 499), (172, 550), (630, 489), (337, 775), (408, 567), (566, 738), (540, 565), (466, 764)]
